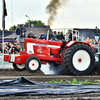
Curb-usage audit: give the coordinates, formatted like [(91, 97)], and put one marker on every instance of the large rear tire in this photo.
[(79, 59), (33, 64), (19, 67)]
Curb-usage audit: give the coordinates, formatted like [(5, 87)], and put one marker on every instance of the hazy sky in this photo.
[(75, 13)]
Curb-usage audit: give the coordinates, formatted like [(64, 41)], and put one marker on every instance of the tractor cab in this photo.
[(72, 35)]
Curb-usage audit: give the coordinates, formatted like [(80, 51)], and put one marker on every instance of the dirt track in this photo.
[(41, 77), (10, 74)]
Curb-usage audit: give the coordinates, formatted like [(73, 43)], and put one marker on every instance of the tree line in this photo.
[(35, 22)]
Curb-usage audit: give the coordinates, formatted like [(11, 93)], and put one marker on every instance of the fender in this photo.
[(73, 42)]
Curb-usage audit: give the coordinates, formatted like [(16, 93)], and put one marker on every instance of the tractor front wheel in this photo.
[(19, 67), (79, 59), (33, 64)]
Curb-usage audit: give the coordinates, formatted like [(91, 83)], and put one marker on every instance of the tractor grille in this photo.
[(22, 46)]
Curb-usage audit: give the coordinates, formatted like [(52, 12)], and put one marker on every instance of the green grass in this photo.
[(74, 81)]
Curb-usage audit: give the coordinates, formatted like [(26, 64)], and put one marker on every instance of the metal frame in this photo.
[(76, 32)]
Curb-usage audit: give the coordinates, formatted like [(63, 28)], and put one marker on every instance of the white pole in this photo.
[(29, 20), (12, 19), (3, 41), (3, 45), (3, 28)]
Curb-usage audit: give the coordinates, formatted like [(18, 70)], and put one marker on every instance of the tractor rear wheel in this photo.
[(79, 59), (19, 67), (33, 64)]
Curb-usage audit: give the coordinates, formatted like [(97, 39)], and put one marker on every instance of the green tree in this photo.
[(12, 28), (35, 22)]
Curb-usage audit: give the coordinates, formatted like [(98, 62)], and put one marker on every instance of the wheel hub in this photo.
[(79, 60), (33, 64)]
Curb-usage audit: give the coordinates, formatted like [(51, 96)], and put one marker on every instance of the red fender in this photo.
[(73, 42)]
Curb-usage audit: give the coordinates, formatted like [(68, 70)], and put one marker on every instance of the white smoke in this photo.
[(46, 69), (53, 69)]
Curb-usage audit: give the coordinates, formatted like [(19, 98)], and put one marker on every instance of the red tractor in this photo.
[(76, 57)]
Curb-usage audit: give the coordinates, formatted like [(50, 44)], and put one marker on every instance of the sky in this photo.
[(74, 14)]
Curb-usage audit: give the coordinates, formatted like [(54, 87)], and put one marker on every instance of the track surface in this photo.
[(47, 78), (7, 74), (10, 74)]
